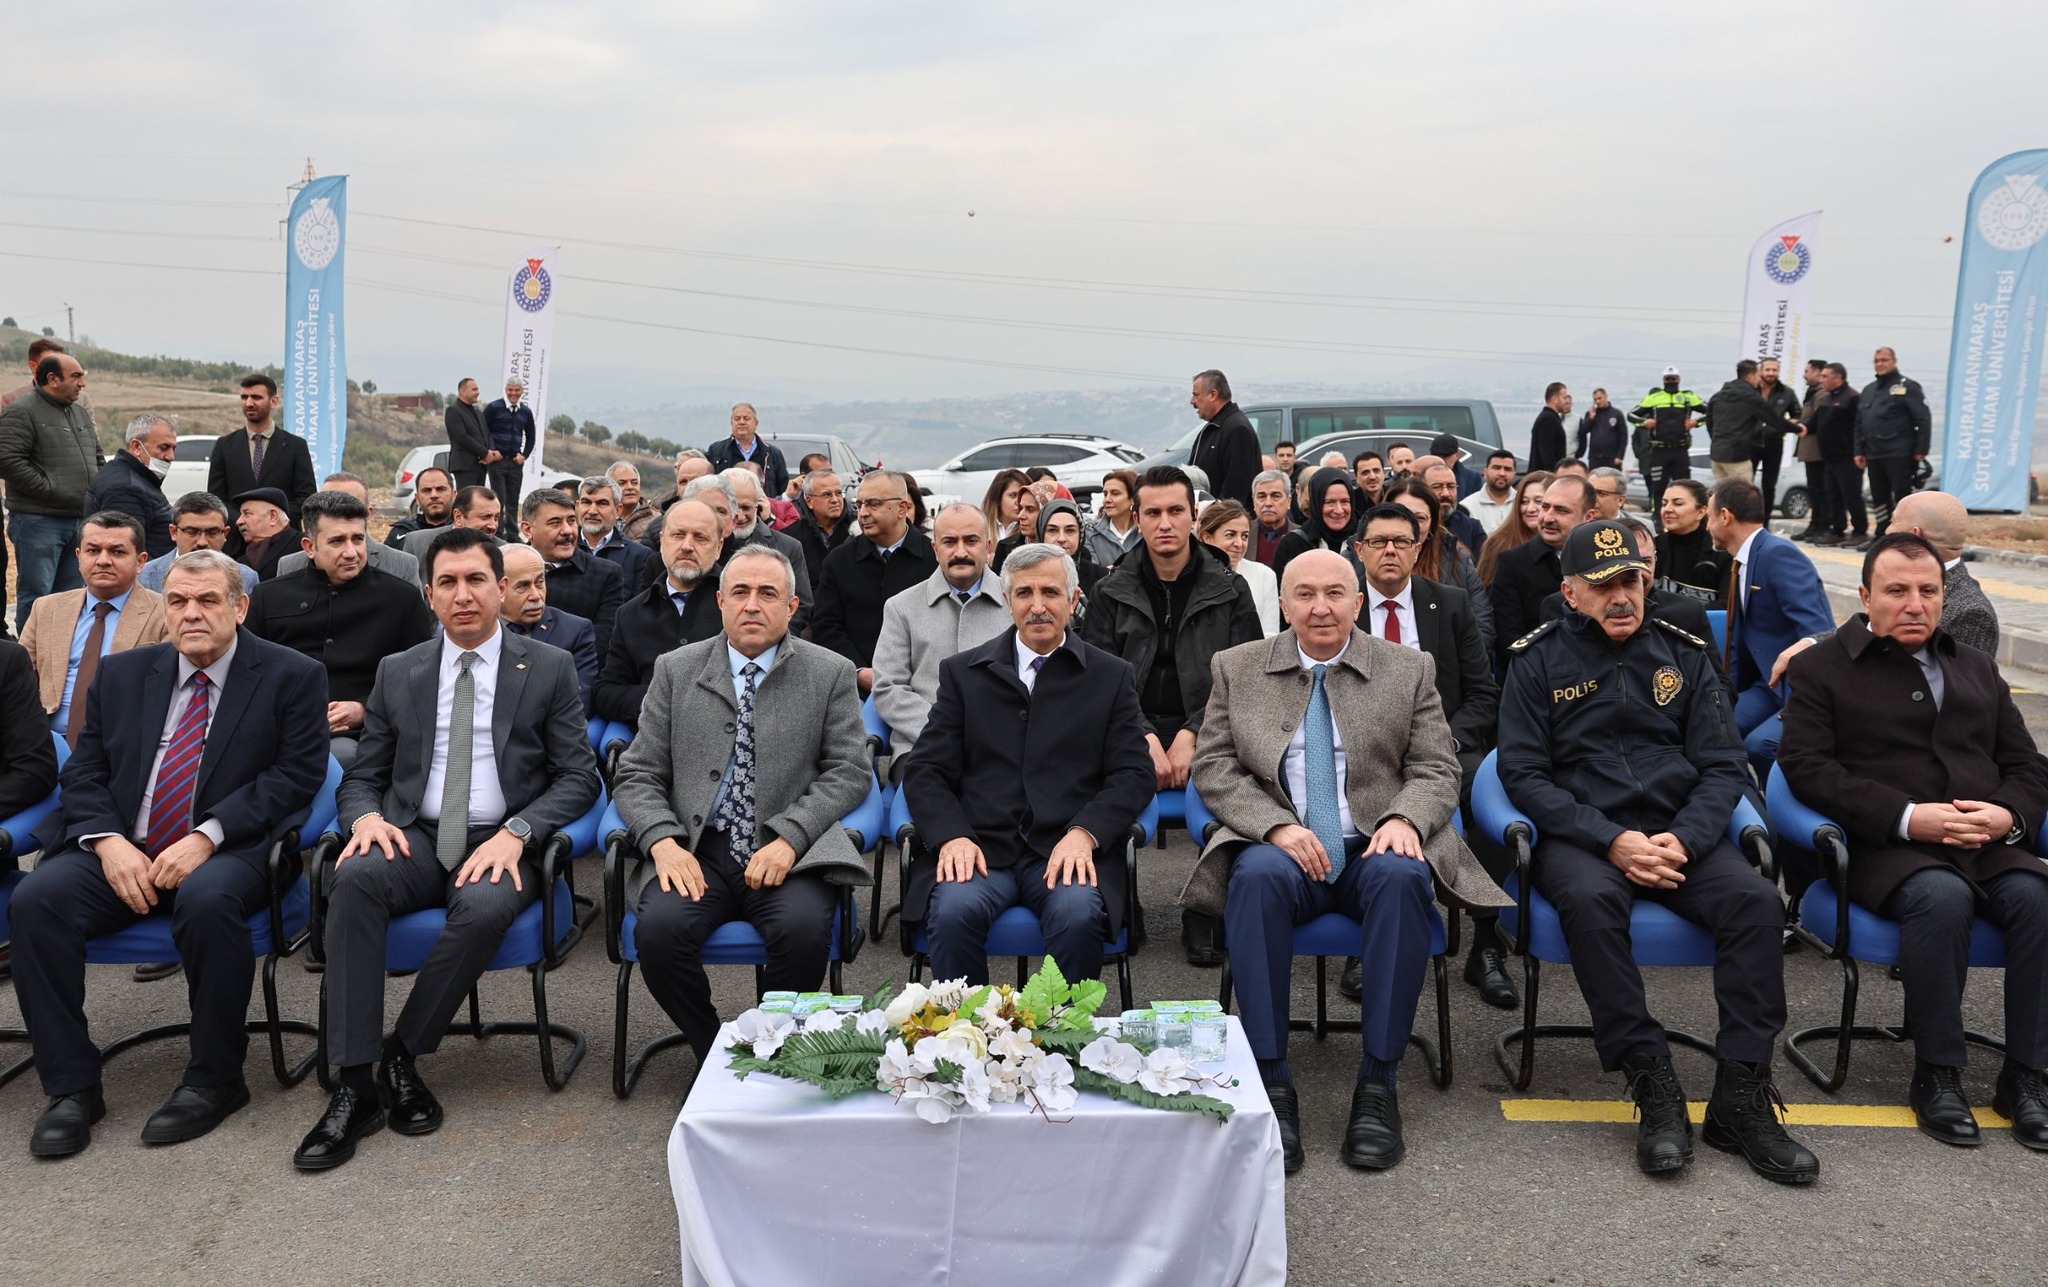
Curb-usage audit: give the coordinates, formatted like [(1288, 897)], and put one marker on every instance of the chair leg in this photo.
[(1443, 1020), (1223, 993), (1023, 972), (547, 1032), (1322, 998), (21, 1065), (1123, 978), (476, 1016), (275, 1028), (1844, 1033), (835, 976), (1521, 1069), (621, 1087)]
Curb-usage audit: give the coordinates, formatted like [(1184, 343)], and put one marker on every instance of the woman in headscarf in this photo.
[(1226, 527), (1059, 524), (1331, 503)]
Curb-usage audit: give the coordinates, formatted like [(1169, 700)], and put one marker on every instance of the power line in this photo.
[(142, 201)]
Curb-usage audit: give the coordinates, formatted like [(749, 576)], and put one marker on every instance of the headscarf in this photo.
[(1315, 530)]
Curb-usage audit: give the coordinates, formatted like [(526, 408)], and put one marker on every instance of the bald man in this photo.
[(525, 611), (679, 608)]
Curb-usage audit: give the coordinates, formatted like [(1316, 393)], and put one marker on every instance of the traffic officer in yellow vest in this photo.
[(1664, 423)]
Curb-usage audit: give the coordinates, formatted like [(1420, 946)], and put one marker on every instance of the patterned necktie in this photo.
[(1319, 765), (451, 841), (736, 811), (88, 666), (170, 804), (256, 455), (1393, 621)]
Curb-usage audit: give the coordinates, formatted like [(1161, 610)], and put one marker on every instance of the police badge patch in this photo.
[(1666, 683)]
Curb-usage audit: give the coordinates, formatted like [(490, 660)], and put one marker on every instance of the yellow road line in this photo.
[(1616, 1110)]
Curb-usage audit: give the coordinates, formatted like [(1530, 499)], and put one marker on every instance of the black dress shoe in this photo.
[(66, 1125), (2021, 1097), (1485, 970), (1287, 1112), (350, 1116), (1372, 1142), (1940, 1108), (151, 971), (1742, 1117), (192, 1111), (413, 1108), (1663, 1131), (1351, 982)]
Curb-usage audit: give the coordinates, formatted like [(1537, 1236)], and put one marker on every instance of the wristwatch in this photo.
[(521, 830)]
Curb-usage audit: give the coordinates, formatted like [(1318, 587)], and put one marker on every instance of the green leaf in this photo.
[(1045, 990), (972, 1002), (1087, 997), (1132, 1092), (880, 998)]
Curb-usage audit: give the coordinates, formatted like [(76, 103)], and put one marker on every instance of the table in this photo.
[(776, 1184)]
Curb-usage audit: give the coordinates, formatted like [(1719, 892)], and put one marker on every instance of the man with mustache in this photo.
[(959, 606), (1617, 741)]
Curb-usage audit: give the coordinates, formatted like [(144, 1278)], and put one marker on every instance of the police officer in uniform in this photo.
[(1616, 739), (1664, 423)]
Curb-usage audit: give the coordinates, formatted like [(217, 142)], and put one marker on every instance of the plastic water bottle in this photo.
[(1207, 1037)]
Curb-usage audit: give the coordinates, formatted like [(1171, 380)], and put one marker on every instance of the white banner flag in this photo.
[(1778, 299), (529, 344)]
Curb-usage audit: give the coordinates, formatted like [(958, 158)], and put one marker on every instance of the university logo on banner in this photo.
[(315, 387), (1777, 297), (1994, 359), (529, 344)]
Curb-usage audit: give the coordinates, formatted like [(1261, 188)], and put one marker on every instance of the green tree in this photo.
[(662, 446), (561, 425), (595, 432), (369, 386), (633, 440)]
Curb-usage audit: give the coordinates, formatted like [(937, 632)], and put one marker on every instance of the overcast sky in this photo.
[(1285, 191)]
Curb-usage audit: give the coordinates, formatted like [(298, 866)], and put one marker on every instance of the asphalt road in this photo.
[(524, 1185)]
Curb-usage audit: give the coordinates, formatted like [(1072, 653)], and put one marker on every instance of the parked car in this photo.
[(1349, 445), (846, 462), (437, 457), (189, 467), (1411, 420), (1079, 460)]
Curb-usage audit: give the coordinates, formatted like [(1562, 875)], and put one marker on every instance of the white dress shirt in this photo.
[(181, 697), (486, 794), (1024, 659), (82, 627), (1293, 765), (1404, 612), (1742, 561), (1930, 668)]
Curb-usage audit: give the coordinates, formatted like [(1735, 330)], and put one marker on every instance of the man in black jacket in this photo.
[(433, 496), (827, 520), (266, 531), (1737, 419), (1546, 435), (597, 522), (1033, 760), (510, 422), (857, 578), (1603, 434), (745, 445), (341, 612), (469, 443), (680, 608), (132, 480), (261, 454), (1834, 421), (1526, 575), (1784, 406), (578, 581), (1227, 449), (1893, 432), (1168, 607)]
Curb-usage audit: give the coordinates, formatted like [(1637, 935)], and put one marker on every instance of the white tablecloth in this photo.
[(776, 1184)]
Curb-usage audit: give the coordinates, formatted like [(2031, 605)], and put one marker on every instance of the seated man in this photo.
[(750, 752), (1032, 759), (1327, 760), (142, 829), (341, 612), (70, 633), (199, 521), (28, 765), (263, 518), (957, 607), (578, 581), (1776, 597), (1615, 740), (1526, 574), (680, 608), (527, 612), (477, 507), (384, 558), (473, 751), (597, 522), (887, 556), (433, 498), (1911, 741)]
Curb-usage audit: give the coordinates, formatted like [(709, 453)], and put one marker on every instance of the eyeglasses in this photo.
[(1603, 491), (877, 504), (1383, 542)]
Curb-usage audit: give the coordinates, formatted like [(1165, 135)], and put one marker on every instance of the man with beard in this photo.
[(635, 514), (433, 493), (679, 608), (1527, 574), (597, 521), (958, 607), (578, 580)]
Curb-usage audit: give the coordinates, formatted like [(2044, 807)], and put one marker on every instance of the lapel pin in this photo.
[(519, 666)]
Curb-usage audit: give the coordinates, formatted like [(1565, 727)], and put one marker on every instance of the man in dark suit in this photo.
[(28, 762), (1547, 444), (1912, 743), (469, 441), (1227, 450), (263, 522), (1774, 598), (509, 421), (598, 528), (196, 756), (746, 446), (1033, 759), (750, 752), (480, 724), (1418, 613), (680, 608), (859, 577), (527, 612), (341, 612), (827, 520), (261, 454), (578, 581), (1527, 574)]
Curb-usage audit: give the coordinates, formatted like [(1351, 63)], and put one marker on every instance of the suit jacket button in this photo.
[(1919, 696), (697, 821), (731, 728), (1024, 714), (1288, 727), (714, 775)]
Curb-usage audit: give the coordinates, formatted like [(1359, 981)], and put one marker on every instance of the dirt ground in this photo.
[(2028, 534)]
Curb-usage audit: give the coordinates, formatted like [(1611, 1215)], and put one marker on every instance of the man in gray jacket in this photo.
[(48, 456), (732, 826), (956, 608)]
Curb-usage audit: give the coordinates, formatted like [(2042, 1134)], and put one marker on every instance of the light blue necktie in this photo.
[(1319, 765)]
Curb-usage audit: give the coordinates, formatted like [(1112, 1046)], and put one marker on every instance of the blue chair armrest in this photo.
[(868, 818), (1498, 818), (1200, 821), (1147, 825), (1748, 832), (1797, 821), (17, 833)]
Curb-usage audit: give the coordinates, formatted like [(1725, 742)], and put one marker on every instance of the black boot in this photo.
[(1940, 1107), (1486, 971), (1663, 1132), (2020, 1097), (1742, 1117)]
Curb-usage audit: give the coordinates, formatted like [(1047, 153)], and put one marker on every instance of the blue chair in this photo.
[(1335, 934), (610, 745), (1659, 936), (277, 931), (878, 731), (1016, 931), (538, 940), (733, 943), (17, 837), (1717, 620), (1845, 932)]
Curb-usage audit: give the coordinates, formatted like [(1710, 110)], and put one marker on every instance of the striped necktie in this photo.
[(170, 802)]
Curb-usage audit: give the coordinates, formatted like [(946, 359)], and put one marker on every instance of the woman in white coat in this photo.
[(1227, 527)]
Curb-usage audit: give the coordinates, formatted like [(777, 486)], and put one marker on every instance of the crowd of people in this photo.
[(1326, 653)]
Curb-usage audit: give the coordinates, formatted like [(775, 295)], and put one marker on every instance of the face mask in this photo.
[(161, 468)]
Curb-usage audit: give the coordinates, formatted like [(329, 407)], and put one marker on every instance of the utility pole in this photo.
[(70, 330), (291, 191)]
